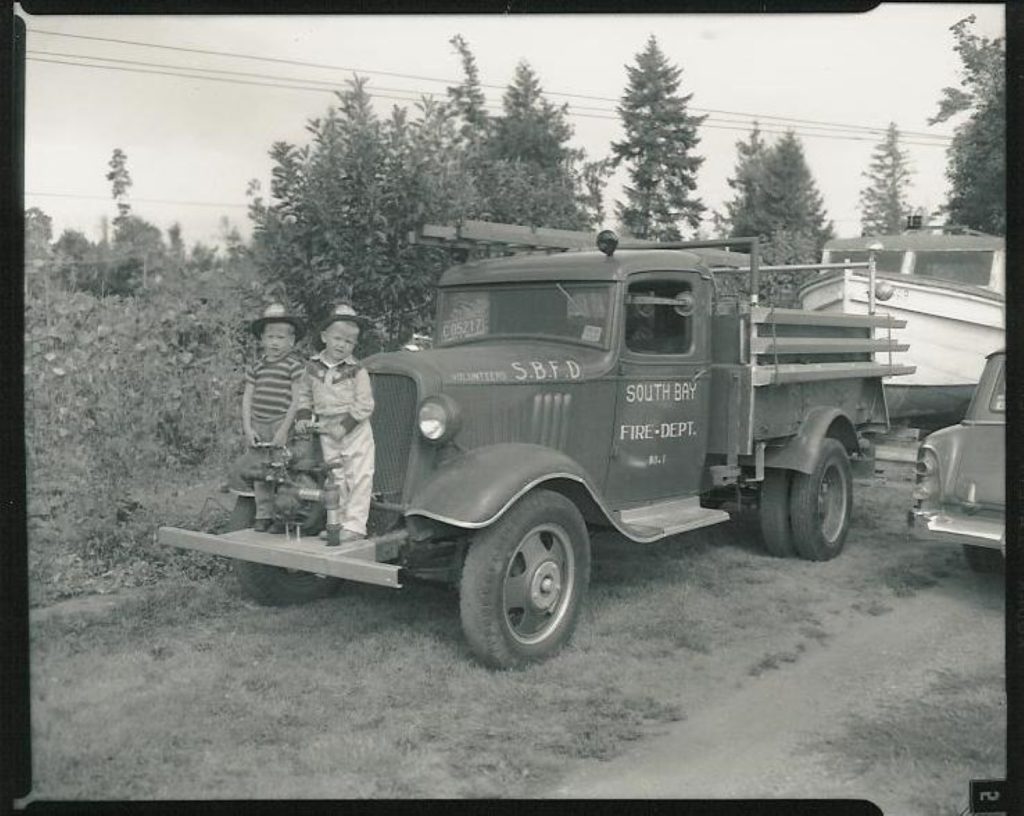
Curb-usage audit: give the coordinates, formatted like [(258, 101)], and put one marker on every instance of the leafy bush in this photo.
[(124, 393)]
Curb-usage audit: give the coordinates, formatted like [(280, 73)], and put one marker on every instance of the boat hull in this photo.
[(950, 330)]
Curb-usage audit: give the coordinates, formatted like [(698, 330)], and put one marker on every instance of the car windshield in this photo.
[(997, 404), (564, 311)]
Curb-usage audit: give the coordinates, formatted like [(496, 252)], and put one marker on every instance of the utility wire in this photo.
[(577, 109), (303, 87), (302, 63), (140, 200)]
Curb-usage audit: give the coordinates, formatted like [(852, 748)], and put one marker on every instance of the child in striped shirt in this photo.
[(270, 398)]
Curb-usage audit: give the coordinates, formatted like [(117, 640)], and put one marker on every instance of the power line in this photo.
[(302, 63), (141, 200), (290, 85), (576, 109)]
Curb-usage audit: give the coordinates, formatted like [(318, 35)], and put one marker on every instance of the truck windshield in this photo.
[(564, 311)]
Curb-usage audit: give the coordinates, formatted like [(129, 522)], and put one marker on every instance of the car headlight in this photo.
[(927, 484), (438, 418)]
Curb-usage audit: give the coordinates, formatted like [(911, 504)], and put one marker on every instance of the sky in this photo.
[(193, 145)]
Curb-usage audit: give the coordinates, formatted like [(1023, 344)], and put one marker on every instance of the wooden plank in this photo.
[(799, 317), (768, 374), (306, 554), (487, 232), (822, 345), (442, 231)]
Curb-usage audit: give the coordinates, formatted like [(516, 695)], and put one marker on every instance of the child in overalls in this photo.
[(337, 389)]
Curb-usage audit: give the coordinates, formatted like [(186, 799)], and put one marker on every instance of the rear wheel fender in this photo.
[(802, 451)]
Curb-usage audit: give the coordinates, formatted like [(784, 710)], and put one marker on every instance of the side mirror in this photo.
[(685, 304)]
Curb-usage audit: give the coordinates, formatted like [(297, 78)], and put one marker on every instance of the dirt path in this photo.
[(761, 740)]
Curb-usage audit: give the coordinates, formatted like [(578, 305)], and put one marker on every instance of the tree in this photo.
[(532, 130), (777, 200), (743, 214), (467, 99), (38, 234), (342, 207), (658, 150), (120, 181), (976, 160), (522, 169), (883, 202)]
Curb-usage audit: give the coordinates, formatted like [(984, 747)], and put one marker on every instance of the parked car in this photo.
[(960, 494)]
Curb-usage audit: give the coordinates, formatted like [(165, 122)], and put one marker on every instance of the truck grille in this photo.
[(394, 423)]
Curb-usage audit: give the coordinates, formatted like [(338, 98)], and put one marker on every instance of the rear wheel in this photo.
[(773, 511), (274, 586), (983, 559), (821, 503), (524, 581)]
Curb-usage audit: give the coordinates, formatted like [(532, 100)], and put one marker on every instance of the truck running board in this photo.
[(354, 561), (669, 518)]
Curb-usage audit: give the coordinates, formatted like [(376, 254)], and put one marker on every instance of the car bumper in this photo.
[(929, 525)]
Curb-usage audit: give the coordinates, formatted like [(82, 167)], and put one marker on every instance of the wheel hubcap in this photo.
[(538, 583), (832, 504)]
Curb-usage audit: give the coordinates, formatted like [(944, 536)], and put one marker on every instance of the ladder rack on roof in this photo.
[(471, 236)]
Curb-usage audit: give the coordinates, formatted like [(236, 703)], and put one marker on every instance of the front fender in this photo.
[(801, 451), (475, 489)]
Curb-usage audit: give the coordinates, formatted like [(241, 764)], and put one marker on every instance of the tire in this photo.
[(773, 512), (274, 586), (983, 559), (524, 581), (820, 504)]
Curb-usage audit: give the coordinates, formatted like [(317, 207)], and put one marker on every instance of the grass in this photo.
[(928, 747), (373, 693)]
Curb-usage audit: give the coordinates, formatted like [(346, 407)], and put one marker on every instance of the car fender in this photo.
[(801, 451), (475, 489)]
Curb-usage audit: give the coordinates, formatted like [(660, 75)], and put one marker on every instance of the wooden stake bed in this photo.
[(354, 561)]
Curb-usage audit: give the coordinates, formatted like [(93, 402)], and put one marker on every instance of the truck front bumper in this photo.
[(354, 561), (931, 525)]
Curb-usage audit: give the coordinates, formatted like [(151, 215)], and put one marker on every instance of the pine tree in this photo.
[(467, 99), (657, 150), (532, 129), (976, 160), (120, 180), (883, 202), (743, 213)]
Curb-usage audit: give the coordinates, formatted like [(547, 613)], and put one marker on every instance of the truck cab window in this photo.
[(659, 318)]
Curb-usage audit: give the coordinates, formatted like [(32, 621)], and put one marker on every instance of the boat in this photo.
[(949, 285)]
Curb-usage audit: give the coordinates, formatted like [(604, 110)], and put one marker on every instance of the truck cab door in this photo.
[(663, 386)]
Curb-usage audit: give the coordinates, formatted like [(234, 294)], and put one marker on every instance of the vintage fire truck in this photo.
[(616, 388)]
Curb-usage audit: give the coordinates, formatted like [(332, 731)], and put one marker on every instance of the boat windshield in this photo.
[(563, 311), (960, 266), (885, 261)]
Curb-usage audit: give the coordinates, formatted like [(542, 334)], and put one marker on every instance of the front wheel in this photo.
[(821, 503), (524, 581), (274, 586)]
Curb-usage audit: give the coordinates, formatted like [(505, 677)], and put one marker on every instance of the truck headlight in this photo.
[(438, 418)]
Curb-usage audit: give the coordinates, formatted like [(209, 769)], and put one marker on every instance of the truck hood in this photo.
[(494, 364)]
